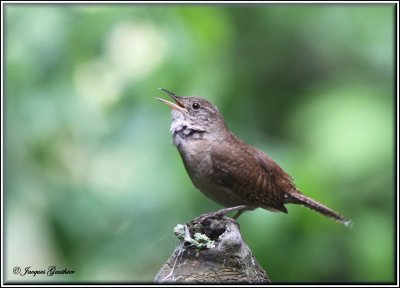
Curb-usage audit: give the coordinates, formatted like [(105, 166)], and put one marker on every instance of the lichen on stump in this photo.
[(212, 251)]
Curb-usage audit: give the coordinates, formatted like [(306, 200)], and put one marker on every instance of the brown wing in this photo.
[(283, 180), (249, 174)]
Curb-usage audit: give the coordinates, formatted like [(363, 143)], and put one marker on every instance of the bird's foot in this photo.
[(220, 213)]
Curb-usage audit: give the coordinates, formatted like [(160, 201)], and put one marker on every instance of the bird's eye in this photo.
[(196, 106)]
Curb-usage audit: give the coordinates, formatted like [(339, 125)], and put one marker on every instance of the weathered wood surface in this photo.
[(211, 252)]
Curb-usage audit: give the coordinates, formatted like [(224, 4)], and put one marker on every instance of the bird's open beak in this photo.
[(177, 106)]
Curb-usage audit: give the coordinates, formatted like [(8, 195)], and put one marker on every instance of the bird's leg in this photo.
[(220, 213), (239, 212)]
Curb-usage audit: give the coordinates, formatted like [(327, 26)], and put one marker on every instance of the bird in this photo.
[(227, 170)]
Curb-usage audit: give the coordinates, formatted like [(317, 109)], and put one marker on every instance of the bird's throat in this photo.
[(184, 135)]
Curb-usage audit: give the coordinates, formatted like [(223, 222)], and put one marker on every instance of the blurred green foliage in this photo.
[(92, 182)]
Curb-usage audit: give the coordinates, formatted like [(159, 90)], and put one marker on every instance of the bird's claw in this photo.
[(220, 213)]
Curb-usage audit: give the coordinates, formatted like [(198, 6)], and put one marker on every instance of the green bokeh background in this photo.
[(93, 184)]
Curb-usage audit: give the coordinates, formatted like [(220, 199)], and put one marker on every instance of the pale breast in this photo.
[(196, 157)]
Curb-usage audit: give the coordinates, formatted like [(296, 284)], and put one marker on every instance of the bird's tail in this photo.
[(299, 198)]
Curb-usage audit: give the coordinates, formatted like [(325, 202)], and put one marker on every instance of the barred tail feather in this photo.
[(298, 198)]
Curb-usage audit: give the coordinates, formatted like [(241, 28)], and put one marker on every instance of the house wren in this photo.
[(226, 169)]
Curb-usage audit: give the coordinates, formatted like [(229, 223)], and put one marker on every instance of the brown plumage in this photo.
[(226, 169)]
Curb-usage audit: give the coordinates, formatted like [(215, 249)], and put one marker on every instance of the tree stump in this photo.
[(212, 251)]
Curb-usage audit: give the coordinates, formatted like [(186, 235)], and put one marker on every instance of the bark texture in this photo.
[(212, 251)]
